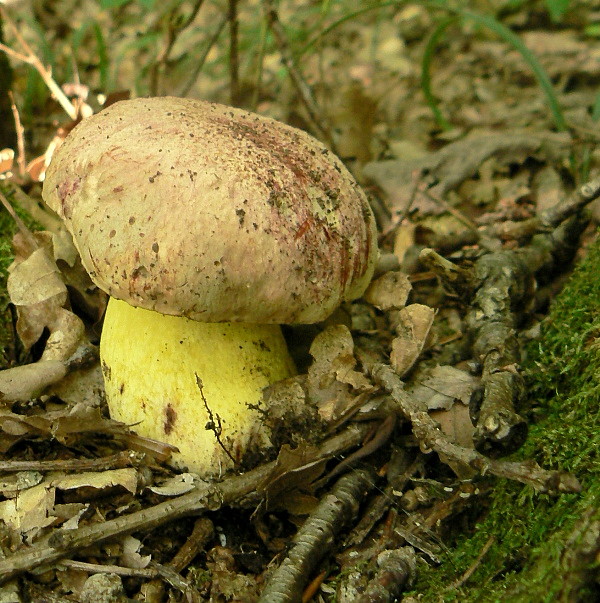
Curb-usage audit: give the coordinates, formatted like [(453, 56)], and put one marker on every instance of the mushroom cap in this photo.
[(205, 211)]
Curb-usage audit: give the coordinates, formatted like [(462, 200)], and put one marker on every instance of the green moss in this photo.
[(527, 561)]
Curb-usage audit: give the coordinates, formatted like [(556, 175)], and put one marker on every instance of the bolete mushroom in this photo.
[(209, 227)]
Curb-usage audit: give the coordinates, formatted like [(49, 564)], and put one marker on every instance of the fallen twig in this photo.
[(316, 537), (31, 58), (431, 437), (201, 534), (397, 569), (501, 286), (127, 458), (206, 496)]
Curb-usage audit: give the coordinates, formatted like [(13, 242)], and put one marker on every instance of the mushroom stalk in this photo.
[(192, 384)]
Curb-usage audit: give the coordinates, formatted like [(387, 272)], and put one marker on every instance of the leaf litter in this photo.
[(483, 191)]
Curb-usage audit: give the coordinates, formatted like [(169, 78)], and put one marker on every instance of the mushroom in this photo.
[(209, 227)]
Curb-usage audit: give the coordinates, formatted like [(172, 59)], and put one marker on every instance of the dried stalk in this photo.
[(173, 32), (127, 458), (31, 58), (306, 95)]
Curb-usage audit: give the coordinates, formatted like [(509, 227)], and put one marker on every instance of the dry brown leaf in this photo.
[(332, 380), (439, 387), (453, 164), (291, 472), (30, 511), (456, 424), (36, 287), (66, 425), (404, 239), (34, 509), (82, 386), (12, 484), (414, 324), (389, 291), (352, 117), (127, 478)]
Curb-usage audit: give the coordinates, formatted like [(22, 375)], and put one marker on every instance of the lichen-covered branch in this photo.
[(316, 537), (501, 288), (430, 436)]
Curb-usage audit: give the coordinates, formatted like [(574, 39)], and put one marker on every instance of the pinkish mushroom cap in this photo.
[(196, 209)]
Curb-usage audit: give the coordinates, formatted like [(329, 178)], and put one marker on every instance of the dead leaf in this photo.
[(30, 511), (131, 554), (457, 161), (176, 485), (36, 287), (127, 478), (291, 471), (332, 376), (12, 484), (439, 387), (389, 291), (414, 324)]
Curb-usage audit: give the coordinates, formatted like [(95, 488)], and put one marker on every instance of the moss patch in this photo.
[(528, 560)]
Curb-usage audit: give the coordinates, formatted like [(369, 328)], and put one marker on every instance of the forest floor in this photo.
[(474, 131)]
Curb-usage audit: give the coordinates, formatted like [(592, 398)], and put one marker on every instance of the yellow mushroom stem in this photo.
[(151, 363)]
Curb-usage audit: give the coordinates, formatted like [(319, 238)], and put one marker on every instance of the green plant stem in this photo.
[(428, 55)]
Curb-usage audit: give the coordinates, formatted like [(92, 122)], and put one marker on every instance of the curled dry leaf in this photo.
[(390, 291), (332, 378), (413, 326), (131, 556), (37, 289)]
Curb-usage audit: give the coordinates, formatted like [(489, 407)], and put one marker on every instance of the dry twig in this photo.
[(206, 496), (431, 437), (32, 59), (316, 537), (501, 287)]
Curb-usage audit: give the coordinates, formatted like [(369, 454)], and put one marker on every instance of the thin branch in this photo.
[(20, 131), (316, 536), (234, 62), (31, 58), (200, 64), (99, 568), (431, 437), (27, 234), (126, 458)]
